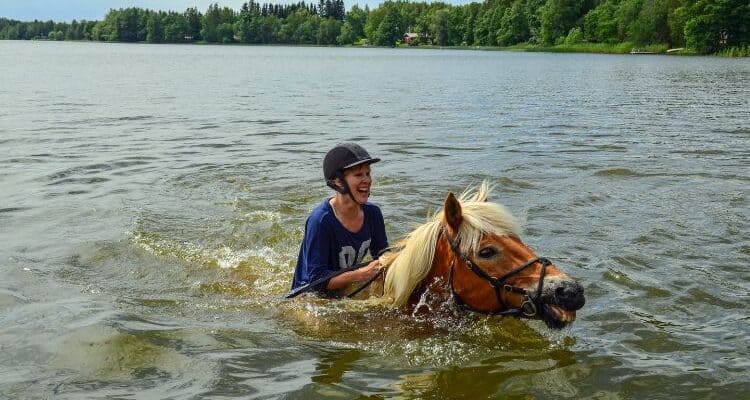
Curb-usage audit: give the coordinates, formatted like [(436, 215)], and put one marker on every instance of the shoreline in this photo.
[(581, 48)]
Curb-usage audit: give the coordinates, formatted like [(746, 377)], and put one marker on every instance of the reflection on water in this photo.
[(152, 214)]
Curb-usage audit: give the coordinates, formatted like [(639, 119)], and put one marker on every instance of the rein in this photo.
[(529, 306)]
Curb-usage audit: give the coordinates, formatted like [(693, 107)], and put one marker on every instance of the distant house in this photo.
[(413, 38), (410, 38), (188, 37)]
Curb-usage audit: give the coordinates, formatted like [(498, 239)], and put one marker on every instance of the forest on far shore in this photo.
[(695, 26)]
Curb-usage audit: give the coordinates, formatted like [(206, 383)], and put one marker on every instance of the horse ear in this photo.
[(453, 215)]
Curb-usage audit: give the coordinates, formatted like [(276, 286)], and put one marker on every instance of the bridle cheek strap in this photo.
[(529, 307)]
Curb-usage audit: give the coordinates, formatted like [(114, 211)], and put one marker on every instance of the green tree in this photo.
[(716, 24), (210, 24), (11, 33), (625, 15), (676, 19), (246, 26), (556, 18), (131, 25), (269, 30), (154, 33), (599, 24), (389, 30), (329, 29), (299, 28), (347, 35), (440, 27), (514, 25), (575, 36), (374, 18), (193, 23), (356, 18), (471, 13), (651, 24), (174, 27), (96, 31), (72, 32), (485, 30), (109, 28), (225, 32), (456, 26), (532, 14), (88, 30)]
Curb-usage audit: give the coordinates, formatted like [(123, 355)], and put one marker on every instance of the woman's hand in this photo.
[(358, 275), (369, 270)]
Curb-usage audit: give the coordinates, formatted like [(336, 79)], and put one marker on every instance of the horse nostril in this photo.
[(570, 295)]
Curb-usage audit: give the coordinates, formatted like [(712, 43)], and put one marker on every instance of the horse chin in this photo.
[(557, 317)]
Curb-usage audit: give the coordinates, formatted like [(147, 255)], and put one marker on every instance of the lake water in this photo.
[(152, 200)]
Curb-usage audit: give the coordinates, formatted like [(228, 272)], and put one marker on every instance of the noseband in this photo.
[(529, 307)]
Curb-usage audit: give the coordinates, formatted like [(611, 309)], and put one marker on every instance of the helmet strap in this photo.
[(352, 196), (343, 190)]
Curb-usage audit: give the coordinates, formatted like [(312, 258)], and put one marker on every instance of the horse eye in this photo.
[(487, 252)]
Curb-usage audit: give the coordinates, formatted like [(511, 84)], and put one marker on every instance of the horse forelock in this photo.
[(408, 266), (481, 218)]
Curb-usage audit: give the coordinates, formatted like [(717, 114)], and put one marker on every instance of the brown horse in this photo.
[(470, 254)]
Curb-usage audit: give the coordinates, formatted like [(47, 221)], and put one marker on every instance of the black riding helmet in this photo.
[(341, 157)]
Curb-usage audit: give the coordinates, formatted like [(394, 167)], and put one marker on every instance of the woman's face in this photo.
[(359, 181)]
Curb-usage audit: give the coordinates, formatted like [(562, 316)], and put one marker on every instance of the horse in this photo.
[(470, 254)]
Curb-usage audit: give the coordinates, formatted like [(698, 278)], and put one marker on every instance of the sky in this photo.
[(68, 10)]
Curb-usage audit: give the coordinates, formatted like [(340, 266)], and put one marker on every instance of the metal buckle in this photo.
[(528, 308)]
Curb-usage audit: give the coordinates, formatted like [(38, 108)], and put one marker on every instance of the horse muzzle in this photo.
[(559, 303)]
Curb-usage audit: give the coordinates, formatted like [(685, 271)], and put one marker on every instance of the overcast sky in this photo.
[(68, 10)]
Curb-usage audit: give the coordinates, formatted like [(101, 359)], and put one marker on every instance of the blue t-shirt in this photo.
[(327, 246)]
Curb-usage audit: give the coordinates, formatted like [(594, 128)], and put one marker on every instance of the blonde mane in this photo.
[(408, 266)]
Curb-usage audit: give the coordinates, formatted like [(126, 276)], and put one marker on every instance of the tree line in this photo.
[(702, 26)]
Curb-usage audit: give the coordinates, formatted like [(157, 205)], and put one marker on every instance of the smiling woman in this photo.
[(343, 228)]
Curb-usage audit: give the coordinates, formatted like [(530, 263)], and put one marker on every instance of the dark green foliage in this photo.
[(599, 25), (154, 31), (192, 24), (514, 25), (356, 18), (390, 30), (440, 26), (703, 26), (650, 25), (485, 30), (557, 17), (328, 31), (217, 24), (714, 25)]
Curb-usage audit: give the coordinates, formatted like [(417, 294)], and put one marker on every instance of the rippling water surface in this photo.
[(152, 200)]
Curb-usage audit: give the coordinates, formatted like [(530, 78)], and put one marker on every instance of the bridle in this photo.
[(529, 306)]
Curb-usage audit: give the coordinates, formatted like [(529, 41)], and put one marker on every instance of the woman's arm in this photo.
[(358, 275)]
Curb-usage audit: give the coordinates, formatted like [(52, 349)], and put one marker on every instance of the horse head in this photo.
[(479, 261)]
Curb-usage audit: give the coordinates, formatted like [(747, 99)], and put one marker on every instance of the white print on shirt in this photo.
[(347, 254)]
